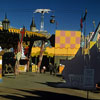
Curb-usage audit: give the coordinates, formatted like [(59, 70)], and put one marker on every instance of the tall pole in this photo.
[(42, 21), (85, 44), (42, 11), (41, 55)]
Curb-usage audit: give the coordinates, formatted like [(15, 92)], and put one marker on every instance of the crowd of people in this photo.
[(52, 68)]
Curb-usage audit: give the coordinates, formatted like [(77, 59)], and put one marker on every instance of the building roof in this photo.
[(33, 23), (5, 20)]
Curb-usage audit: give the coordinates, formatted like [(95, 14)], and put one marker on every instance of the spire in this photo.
[(33, 26), (5, 19), (33, 22), (5, 16), (5, 23)]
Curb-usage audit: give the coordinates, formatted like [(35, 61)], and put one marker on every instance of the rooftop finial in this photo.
[(5, 15)]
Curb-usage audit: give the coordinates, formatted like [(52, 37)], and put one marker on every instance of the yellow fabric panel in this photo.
[(14, 30), (62, 40), (65, 51), (67, 33), (55, 51), (35, 54), (77, 46), (29, 33), (57, 45), (73, 40), (67, 46), (67, 42), (60, 51), (35, 49), (50, 50), (67, 39), (57, 33), (78, 34), (72, 52), (92, 43)]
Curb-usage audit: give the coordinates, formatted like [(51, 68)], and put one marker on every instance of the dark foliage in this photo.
[(52, 40)]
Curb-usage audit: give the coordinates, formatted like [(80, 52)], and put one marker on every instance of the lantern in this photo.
[(52, 19)]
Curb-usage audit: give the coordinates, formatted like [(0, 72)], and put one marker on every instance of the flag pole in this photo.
[(85, 44), (81, 26)]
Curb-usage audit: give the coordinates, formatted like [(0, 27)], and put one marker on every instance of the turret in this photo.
[(33, 26), (5, 23)]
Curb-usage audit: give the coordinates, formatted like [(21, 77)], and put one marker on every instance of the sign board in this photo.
[(22, 68), (34, 68), (88, 78)]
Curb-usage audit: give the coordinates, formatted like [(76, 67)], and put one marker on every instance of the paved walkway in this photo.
[(35, 86)]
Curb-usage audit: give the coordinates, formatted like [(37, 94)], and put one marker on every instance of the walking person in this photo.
[(44, 69), (50, 68), (55, 69)]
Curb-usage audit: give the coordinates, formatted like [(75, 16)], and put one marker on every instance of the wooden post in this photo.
[(18, 56), (28, 64), (87, 94), (41, 55)]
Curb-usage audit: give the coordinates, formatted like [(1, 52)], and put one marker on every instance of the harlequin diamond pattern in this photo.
[(67, 39)]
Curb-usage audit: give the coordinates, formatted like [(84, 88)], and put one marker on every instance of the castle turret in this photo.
[(33, 26), (5, 23)]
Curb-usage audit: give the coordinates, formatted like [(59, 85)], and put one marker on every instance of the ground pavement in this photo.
[(36, 86)]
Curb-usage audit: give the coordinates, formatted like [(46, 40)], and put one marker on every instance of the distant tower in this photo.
[(33, 26), (6, 23)]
